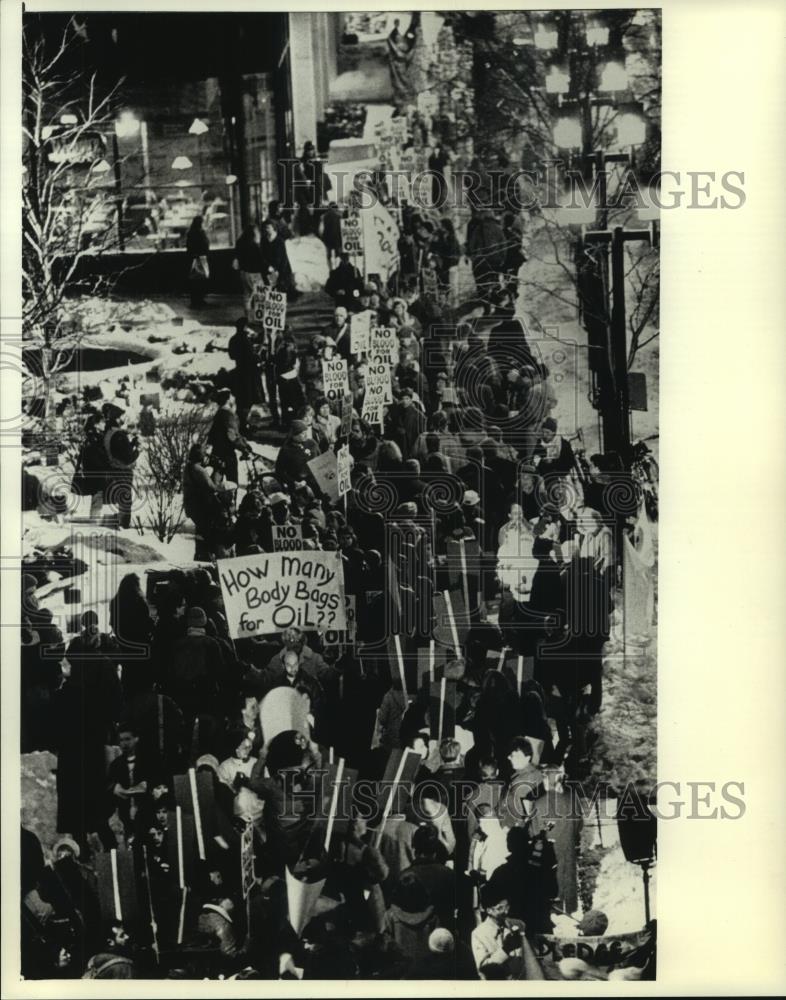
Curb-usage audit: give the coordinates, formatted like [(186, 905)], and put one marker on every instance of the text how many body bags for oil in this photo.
[(269, 592)]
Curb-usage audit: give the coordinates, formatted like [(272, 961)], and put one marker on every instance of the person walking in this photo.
[(248, 261), (197, 249)]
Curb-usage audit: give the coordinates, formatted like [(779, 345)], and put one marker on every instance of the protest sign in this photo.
[(352, 240), (602, 954), (374, 412), (384, 345), (380, 240), (360, 333), (282, 710), (378, 384), (267, 593), (430, 282), (247, 877), (275, 312), (334, 378), (343, 467), (255, 303), (344, 637), (346, 416), (324, 469), (287, 537)]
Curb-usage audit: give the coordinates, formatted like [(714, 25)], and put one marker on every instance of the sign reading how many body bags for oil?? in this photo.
[(269, 592)]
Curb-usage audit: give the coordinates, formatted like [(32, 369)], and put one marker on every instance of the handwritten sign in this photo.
[(287, 537), (267, 593), (374, 412), (255, 304), (384, 345), (380, 240), (378, 385), (360, 333), (346, 416), (344, 465), (335, 378), (430, 282), (275, 312), (352, 240), (344, 637), (324, 469)]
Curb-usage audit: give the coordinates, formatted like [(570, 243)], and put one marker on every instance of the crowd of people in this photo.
[(477, 851)]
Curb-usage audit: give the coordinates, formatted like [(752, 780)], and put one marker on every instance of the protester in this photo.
[(197, 250)]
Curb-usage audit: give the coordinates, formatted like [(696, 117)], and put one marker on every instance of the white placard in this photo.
[(267, 593), (335, 378)]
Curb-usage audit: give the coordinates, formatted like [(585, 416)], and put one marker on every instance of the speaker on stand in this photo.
[(638, 832)]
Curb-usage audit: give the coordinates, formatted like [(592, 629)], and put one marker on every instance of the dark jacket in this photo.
[(274, 258)]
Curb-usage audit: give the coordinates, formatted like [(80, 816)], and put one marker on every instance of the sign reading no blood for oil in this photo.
[(378, 384), (352, 240), (275, 312), (267, 593), (255, 304), (335, 378), (383, 345)]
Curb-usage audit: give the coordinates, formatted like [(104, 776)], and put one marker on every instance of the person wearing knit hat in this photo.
[(295, 454), (63, 846), (196, 618), (470, 499), (594, 923)]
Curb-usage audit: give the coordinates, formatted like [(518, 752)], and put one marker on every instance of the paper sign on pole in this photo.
[(346, 416), (344, 637), (247, 877), (275, 312), (384, 345), (430, 282), (254, 303), (374, 412), (352, 240), (360, 333), (267, 593), (380, 241), (302, 898), (287, 537), (335, 378), (324, 469), (378, 384), (344, 465)]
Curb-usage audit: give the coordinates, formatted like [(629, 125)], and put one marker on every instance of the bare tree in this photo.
[(69, 203)]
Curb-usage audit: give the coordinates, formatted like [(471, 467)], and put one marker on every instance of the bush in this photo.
[(166, 455)]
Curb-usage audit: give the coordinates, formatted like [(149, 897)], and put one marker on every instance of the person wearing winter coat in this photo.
[(197, 250), (295, 453), (275, 261), (411, 918), (224, 435), (195, 668), (248, 259), (248, 371), (121, 454)]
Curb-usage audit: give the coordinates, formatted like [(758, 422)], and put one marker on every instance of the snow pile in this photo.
[(92, 312)]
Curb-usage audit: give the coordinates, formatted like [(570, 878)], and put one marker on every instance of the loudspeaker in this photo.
[(637, 826)]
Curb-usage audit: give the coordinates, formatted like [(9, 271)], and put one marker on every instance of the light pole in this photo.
[(616, 429)]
